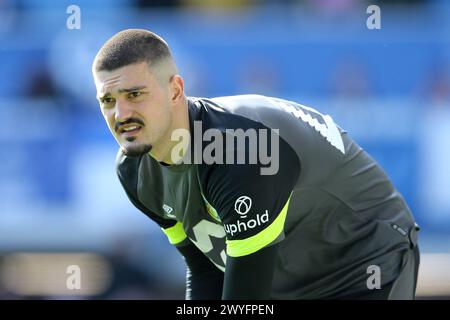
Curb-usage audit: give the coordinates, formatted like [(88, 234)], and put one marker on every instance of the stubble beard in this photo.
[(136, 150)]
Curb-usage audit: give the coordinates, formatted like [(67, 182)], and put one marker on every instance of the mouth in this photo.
[(129, 130)]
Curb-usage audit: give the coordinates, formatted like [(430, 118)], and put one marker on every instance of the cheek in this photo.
[(158, 114), (165, 118)]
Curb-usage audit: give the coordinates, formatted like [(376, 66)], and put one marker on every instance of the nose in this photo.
[(123, 111)]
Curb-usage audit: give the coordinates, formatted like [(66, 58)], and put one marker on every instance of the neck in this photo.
[(172, 151)]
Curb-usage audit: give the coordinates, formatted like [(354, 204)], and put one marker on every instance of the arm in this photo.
[(251, 261), (203, 280), (253, 209), (250, 277)]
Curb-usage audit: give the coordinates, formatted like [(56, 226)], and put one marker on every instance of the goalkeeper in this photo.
[(265, 198)]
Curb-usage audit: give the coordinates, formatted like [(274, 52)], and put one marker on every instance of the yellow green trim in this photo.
[(175, 233), (238, 248), (212, 212)]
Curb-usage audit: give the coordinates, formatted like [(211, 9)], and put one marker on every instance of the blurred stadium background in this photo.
[(61, 203)]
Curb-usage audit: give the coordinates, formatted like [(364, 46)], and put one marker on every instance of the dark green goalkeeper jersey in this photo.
[(296, 179)]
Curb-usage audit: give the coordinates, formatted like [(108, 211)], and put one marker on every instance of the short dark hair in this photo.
[(131, 46)]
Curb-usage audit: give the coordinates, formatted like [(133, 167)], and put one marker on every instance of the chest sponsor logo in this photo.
[(242, 206)]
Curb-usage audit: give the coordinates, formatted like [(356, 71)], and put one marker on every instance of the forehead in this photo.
[(130, 75)]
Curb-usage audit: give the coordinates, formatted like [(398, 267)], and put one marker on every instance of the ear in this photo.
[(176, 88)]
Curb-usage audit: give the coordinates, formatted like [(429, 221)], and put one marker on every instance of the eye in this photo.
[(134, 94), (107, 101)]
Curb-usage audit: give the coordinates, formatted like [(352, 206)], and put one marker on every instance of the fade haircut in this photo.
[(129, 47)]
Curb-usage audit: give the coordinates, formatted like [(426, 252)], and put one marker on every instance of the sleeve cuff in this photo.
[(175, 234)]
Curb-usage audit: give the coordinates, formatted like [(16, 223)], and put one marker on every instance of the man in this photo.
[(264, 198)]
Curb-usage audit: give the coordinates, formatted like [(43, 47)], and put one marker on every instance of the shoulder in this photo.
[(268, 182), (258, 112), (275, 174), (249, 153), (272, 112)]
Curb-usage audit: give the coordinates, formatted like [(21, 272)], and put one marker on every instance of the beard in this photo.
[(136, 150)]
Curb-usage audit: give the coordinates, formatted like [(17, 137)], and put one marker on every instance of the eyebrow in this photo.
[(123, 91)]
